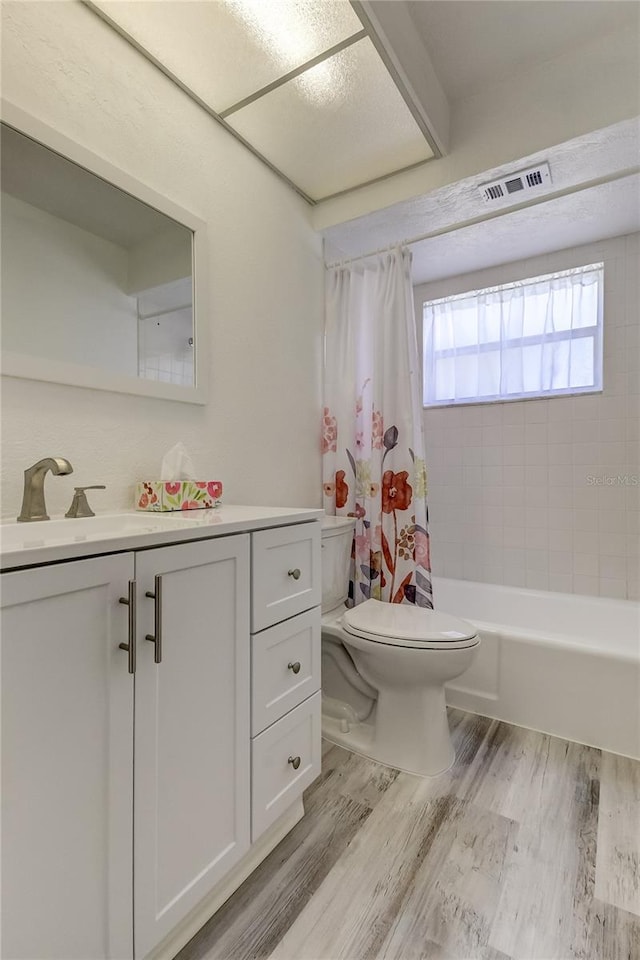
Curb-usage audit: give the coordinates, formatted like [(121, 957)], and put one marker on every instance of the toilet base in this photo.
[(360, 738), (412, 729)]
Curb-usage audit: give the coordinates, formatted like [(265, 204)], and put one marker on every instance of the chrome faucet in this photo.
[(33, 506)]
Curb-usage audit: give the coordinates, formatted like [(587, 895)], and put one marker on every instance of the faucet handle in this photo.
[(80, 505)]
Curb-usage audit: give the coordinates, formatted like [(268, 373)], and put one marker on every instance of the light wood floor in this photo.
[(528, 848)]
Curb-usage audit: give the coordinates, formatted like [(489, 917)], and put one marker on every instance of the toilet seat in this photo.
[(405, 625)]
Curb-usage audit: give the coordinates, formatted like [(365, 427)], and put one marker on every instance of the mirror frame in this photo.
[(78, 375)]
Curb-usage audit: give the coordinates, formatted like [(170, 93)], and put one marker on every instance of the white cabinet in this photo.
[(67, 762), (120, 818), (192, 728)]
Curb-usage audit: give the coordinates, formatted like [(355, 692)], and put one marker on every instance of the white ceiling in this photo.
[(325, 126), (226, 50), (361, 131), (610, 210), (466, 240), (475, 44), (326, 140), (353, 119)]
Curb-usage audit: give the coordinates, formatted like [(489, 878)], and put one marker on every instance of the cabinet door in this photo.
[(191, 729), (67, 762)]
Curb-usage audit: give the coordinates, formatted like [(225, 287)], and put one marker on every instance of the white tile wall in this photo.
[(164, 351), (545, 493)]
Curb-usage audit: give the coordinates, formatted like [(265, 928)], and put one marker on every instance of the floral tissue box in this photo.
[(177, 494)]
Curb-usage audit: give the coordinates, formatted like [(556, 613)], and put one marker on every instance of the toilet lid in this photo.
[(405, 625)]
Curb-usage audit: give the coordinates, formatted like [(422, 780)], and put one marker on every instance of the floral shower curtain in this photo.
[(372, 445)]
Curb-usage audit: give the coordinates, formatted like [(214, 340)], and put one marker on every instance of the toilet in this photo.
[(384, 667)]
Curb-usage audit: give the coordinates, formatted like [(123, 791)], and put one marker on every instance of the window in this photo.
[(536, 338)]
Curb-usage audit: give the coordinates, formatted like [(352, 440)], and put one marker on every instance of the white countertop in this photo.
[(49, 541)]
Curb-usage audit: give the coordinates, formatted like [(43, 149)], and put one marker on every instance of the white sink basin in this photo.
[(44, 533)]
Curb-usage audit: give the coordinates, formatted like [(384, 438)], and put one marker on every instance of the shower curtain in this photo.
[(372, 445)]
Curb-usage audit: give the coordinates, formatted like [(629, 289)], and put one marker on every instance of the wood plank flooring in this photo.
[(527, 849)]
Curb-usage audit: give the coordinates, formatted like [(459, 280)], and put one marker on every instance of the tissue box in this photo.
[(177, 494)]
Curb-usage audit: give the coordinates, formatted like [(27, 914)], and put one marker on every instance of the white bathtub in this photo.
[(556, 662)]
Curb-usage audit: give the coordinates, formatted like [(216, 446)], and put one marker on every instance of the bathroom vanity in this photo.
[(160, 720)]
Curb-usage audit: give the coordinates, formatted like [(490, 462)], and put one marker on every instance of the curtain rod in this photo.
[(495, 214), (372, 253)]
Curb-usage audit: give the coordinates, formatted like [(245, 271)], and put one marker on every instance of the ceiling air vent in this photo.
[(515, 183)]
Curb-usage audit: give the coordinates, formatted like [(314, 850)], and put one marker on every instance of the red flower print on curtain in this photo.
[(342, 490), (396, 492)]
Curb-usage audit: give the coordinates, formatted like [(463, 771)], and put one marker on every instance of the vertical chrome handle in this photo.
[(130, 601), (156, 596)]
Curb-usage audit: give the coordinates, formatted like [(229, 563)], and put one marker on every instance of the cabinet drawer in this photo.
[(275, 783), (285, 573), (285, 668)]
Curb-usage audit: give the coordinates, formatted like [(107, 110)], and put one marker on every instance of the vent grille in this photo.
[(523, 181)]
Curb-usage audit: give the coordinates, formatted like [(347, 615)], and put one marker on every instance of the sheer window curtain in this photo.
[(372, 443), (531, 338)]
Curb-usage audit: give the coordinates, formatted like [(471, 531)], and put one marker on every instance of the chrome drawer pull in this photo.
[(130, 601), (294, 573), (294, 761), (294, 666), (156, 596)]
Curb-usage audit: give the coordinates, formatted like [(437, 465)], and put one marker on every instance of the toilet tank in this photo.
[(337, 538)]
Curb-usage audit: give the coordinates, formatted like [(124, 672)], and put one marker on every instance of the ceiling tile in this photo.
[(227, 50), (340, 124)]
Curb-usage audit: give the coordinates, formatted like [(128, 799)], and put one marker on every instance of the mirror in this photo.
[(97, 282)]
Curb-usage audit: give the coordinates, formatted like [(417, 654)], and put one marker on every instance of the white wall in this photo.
[(510, 499), (259, 432), (63, 292)]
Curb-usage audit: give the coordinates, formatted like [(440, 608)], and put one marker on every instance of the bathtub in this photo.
[(559, 663)]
